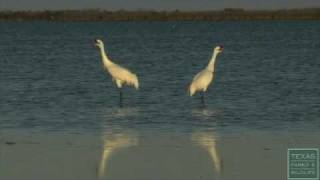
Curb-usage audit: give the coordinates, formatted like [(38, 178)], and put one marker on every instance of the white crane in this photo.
[(202, 80), (120, 75)]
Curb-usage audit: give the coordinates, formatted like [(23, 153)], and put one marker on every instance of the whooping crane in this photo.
[(120, 75), (202, 80)]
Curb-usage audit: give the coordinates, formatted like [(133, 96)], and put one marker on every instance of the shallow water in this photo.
[(267, 79), (133, 154)]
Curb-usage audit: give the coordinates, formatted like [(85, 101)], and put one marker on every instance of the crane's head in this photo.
[(218, 49), (98, 43)]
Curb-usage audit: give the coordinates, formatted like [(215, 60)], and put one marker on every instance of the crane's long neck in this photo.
[(211, 64), (106, 61)]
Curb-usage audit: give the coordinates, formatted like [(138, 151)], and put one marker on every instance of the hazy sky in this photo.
[(154, 4)]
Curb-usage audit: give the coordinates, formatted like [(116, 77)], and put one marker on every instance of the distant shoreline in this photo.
[(150, 15)]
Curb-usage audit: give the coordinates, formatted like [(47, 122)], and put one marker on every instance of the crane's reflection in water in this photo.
[(116, 138), (208, 141), (113, 143), (206, 114), (136, 154)]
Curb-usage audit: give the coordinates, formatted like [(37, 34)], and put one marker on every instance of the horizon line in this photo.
[(159, 10)]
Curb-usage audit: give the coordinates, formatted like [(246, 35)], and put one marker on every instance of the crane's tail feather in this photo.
[(192, 90), (136, 82), (133, 81)]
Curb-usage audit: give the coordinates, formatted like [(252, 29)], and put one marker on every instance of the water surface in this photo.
[(52, 81)]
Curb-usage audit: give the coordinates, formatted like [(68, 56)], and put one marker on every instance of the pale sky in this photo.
[(154, 4)]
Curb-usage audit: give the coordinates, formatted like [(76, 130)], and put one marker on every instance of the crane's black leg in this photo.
[(120, 98), (203, 99)]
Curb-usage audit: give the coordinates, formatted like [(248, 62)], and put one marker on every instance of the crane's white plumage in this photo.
[(202, 80), (119, 74)]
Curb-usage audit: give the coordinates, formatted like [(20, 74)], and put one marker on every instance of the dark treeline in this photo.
[(124, 15)]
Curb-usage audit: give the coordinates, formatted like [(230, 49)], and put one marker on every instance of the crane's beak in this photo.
[(221, 48), (96, 42)]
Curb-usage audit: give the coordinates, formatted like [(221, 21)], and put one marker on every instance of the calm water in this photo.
[(267, 78)]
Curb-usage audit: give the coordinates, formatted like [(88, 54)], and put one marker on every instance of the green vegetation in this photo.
[(124, 15)]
